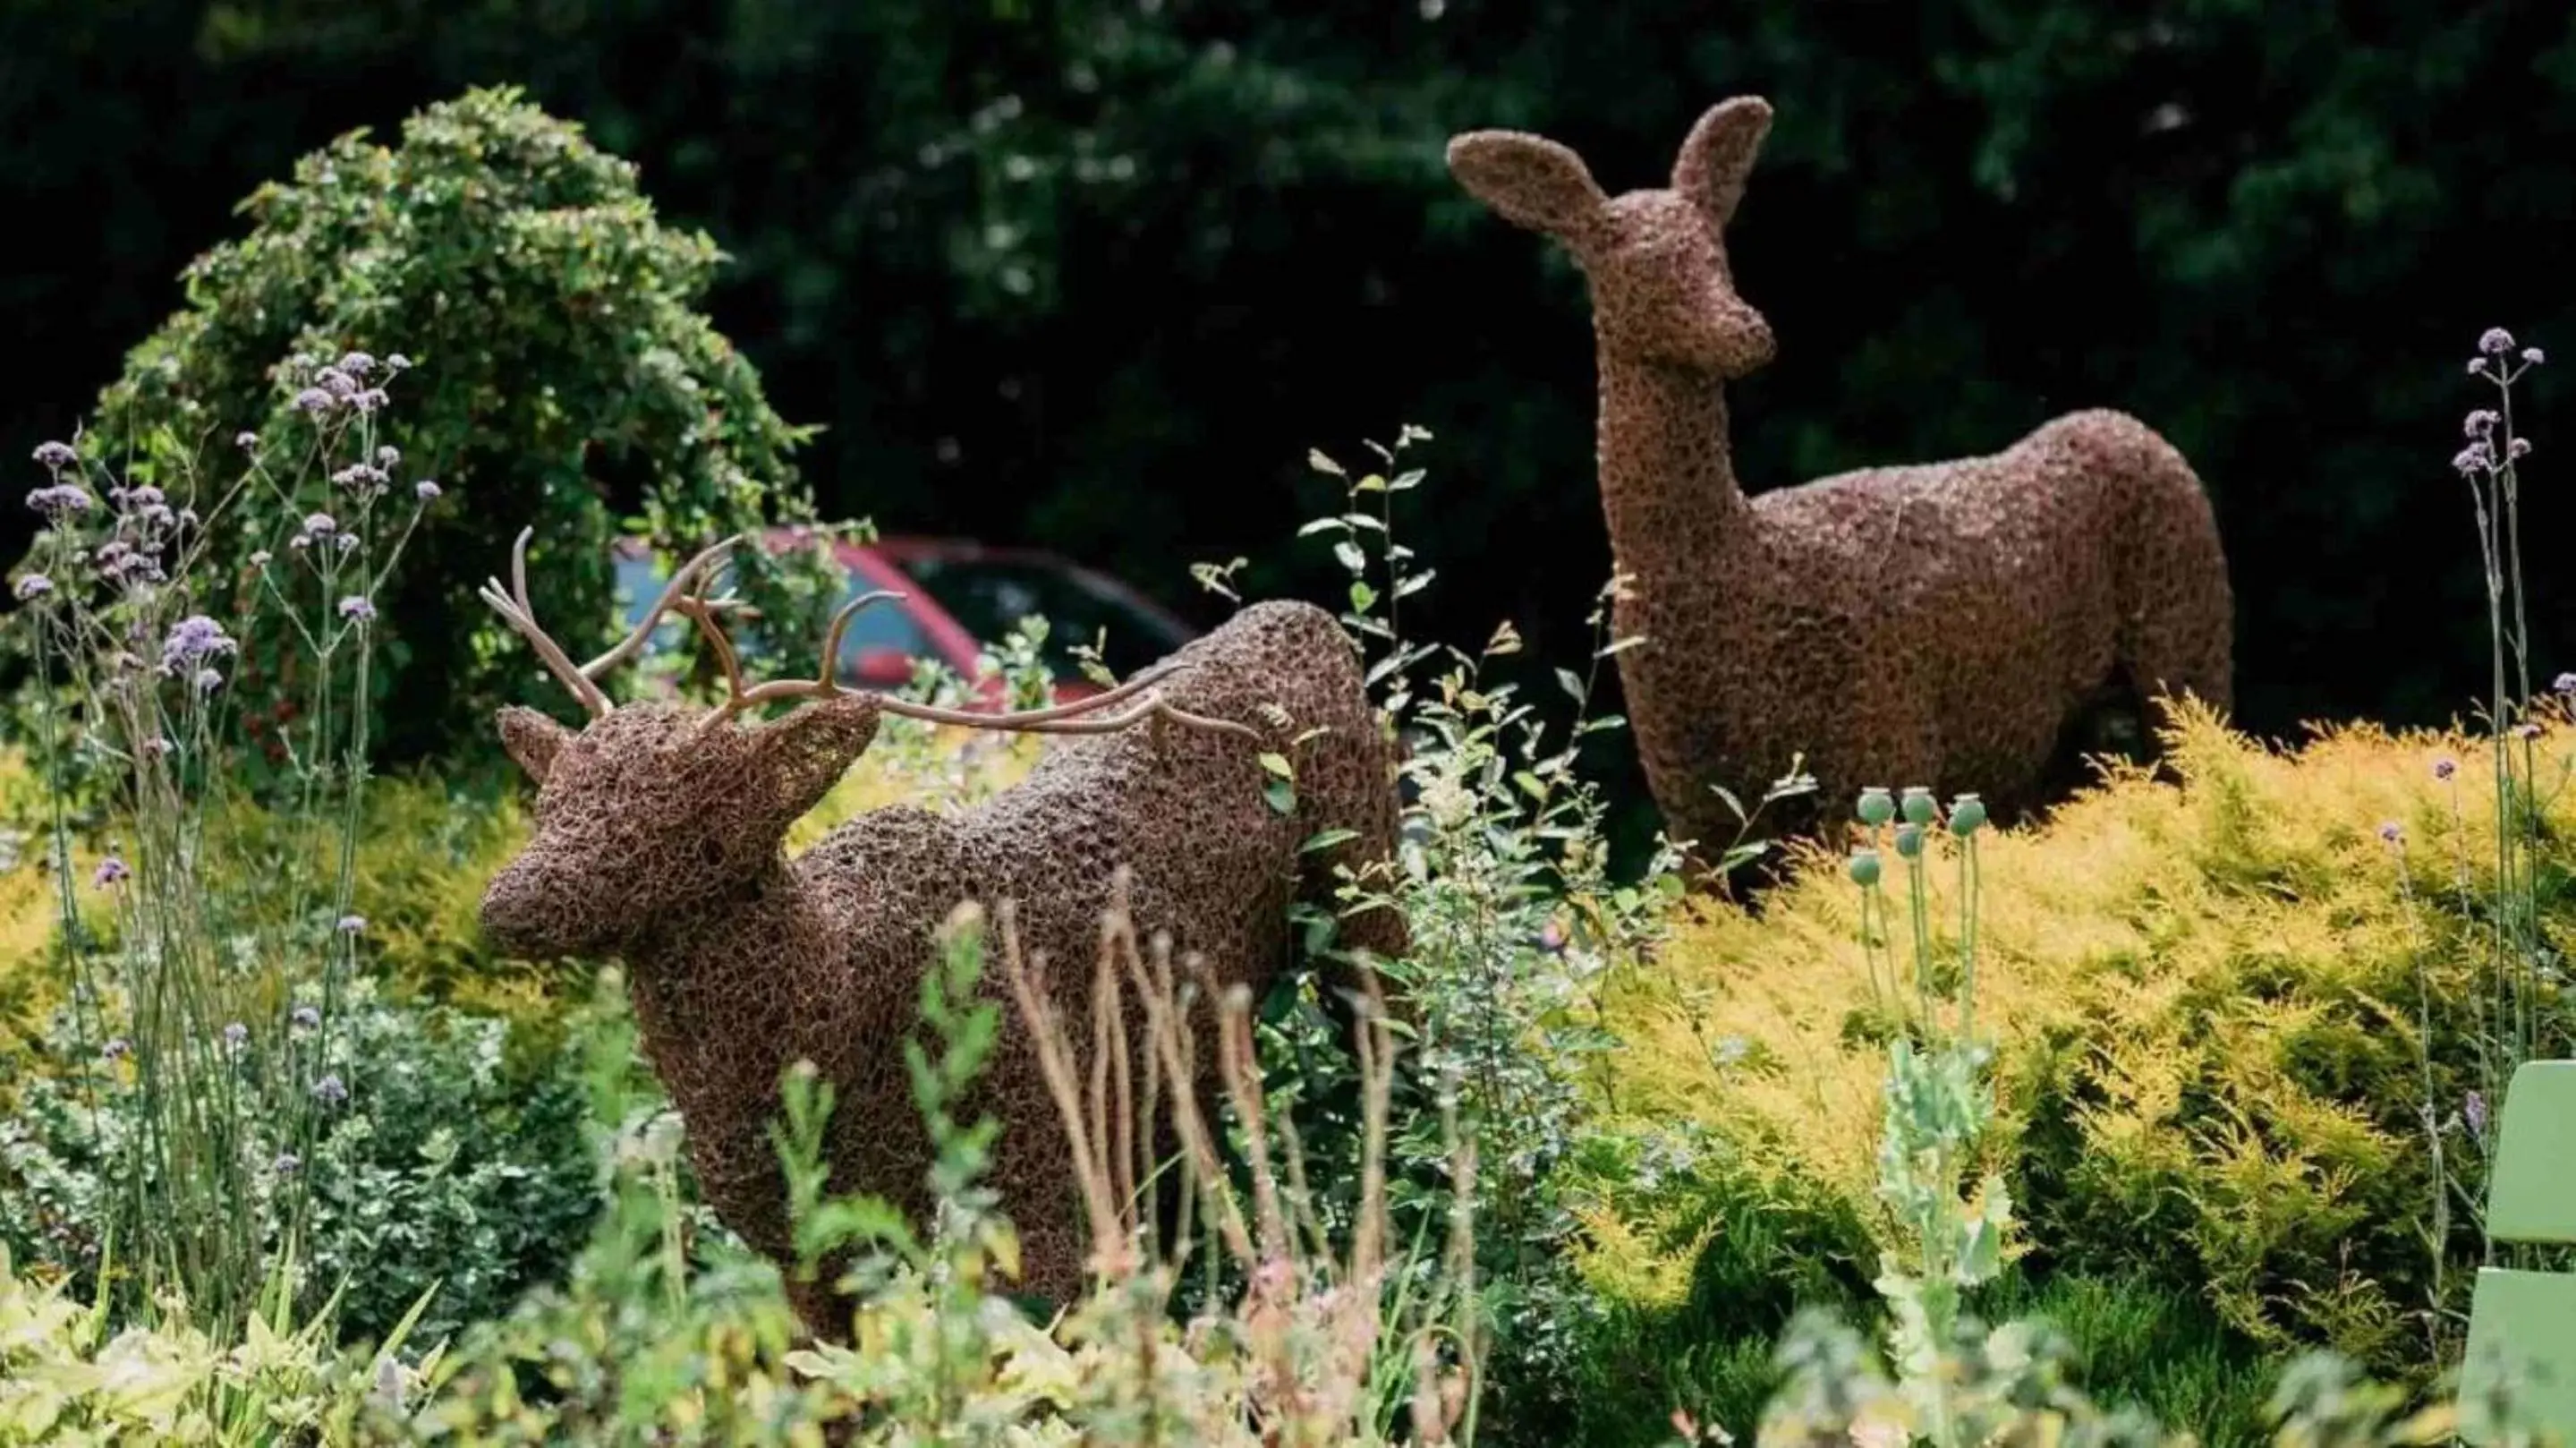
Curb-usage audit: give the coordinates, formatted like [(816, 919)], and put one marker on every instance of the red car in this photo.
[(958, 598)]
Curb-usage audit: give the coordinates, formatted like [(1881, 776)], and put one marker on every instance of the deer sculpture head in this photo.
[(1661, 289), (651, 812)]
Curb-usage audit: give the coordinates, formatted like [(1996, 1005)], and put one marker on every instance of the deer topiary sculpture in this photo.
[(1951, 624), (658, 840)]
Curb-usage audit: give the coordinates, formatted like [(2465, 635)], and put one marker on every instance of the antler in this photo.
[(1083, 716), (516, 611)]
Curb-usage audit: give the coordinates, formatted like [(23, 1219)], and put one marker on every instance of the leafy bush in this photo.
[(566, 382), (447, 1167), (2204, 1002)]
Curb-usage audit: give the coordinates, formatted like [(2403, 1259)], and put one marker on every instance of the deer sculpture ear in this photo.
[(532, 739), (804, 755), (1719, 153), (1532, 181)]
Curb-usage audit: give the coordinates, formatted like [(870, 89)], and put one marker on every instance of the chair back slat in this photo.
[(2522, 1333), (2531, 1196)]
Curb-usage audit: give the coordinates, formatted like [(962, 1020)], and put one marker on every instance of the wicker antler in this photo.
[(1093, 715), (582, 679)]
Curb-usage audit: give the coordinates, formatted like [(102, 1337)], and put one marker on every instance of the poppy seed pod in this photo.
[(1967, 815), (1864, 868)]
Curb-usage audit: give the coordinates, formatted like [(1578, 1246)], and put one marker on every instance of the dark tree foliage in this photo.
[(1096, 274)]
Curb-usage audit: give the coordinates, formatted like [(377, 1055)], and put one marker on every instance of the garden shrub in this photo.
[(560, 377), (447, 1166), (2206, 1004)]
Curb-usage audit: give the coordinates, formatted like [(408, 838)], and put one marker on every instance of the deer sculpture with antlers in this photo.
[(1952, 625), (659, 840)]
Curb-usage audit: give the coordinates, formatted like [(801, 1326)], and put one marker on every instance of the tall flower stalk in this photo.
[(208, 966), (2515, 1019)]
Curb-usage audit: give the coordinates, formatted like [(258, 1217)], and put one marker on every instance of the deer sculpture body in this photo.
[(1947, 625), (659, 840)]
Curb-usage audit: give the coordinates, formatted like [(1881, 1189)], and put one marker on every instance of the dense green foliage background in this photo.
[(1096, 274)]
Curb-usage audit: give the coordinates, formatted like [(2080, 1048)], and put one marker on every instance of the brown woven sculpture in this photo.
[(659, 840), (1941, 625)]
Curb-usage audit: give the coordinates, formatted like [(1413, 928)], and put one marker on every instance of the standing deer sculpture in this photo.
[(659, 840), (1949, 625)]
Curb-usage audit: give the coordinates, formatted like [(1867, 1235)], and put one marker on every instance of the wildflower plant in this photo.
[(191, 978), (1516, 920), (2519, 1009), (1939, 1104)]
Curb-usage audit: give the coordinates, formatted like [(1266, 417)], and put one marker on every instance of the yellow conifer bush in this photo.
[(2206, 1001)]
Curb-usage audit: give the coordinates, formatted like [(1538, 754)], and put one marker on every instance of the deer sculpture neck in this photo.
[(1665, 465)]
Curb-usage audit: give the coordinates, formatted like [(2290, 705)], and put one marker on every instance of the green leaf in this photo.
[(1370, 484), (1278, 765), (1350, 556), (1363, 597), (1281, 795), (1572, 683), (1315, 459), (1326, 840), (1320, 525)]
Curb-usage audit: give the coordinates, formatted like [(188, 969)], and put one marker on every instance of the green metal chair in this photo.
[(2524, 1323)]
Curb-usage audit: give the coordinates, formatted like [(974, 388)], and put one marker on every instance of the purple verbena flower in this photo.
[(358, 608), (330, 1091), (320, 524), (2495, 341), (245, 440), (116, 1049), (192, 641), (305, 1018), (55, 455), (2479, 423), (287, 1164), (395, 361), (388, 455), (425, 490), (2477, 457), (371, 400), (236, 1035), (2474, 1112), (34, 585), (352, 924), (357, 364), (2563, 684), (60, 500), (339, 384), (142, 499), (110, 872), (208, 681), (2526, 730), (2477, 366), (2445, 767), (2533, 357), (259, 559), (2519, 448), (315, 400), (2390, 832), (299, 541), (347, 541)]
